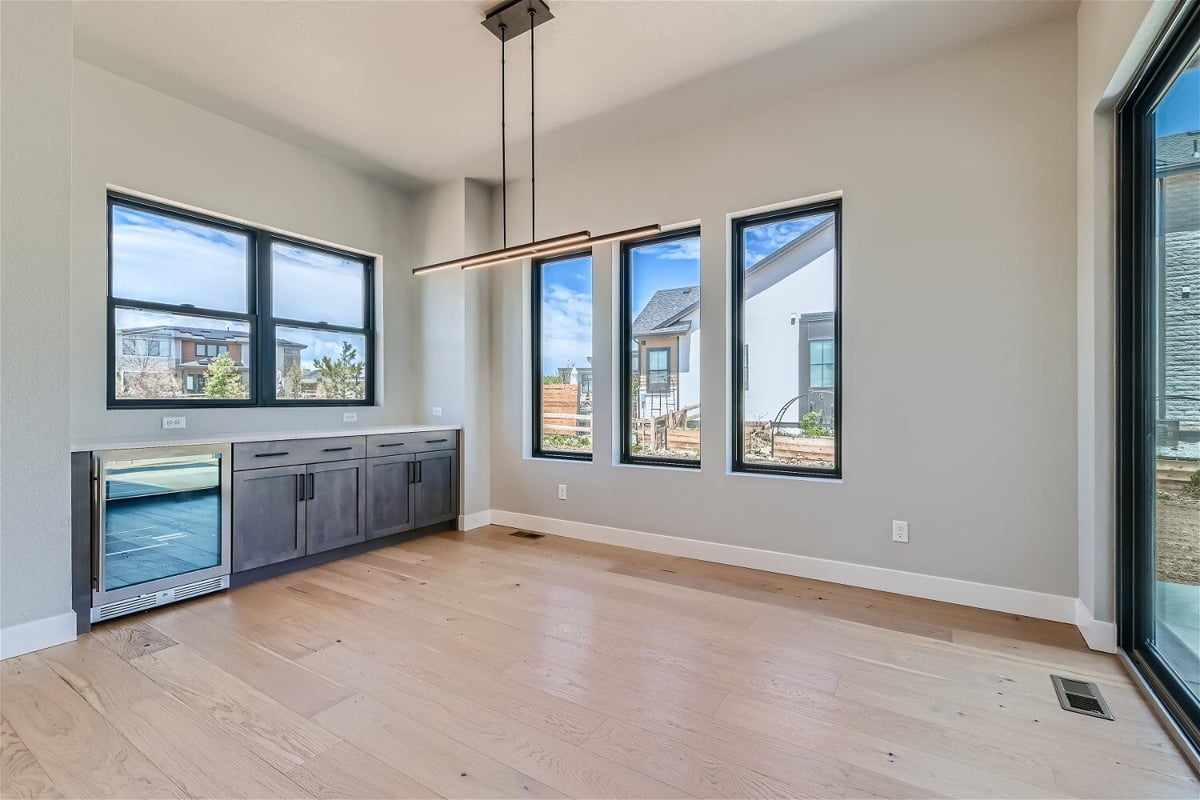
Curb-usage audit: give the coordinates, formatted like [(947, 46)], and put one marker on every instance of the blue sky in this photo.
[(1179, 111), (566, 313), (762, 240)]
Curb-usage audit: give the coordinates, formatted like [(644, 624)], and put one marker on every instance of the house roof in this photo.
[(1182, 149), (661, 316), (217, 335)]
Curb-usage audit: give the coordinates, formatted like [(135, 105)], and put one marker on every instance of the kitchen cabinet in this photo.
[(269, 510)]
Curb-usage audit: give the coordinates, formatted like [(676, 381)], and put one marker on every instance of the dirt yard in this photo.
[(1177, 548)]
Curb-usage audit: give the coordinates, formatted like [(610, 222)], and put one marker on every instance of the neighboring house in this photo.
[(1178, 163), (185, 353), (788, 329), (581, 377)]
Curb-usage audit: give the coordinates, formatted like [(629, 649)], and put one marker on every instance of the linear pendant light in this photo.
[(515, 17)]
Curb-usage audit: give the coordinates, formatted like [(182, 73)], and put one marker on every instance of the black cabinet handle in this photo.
[(410, 473), (336, 449), (435, 441), (312, 489), (420, 471), (271, 455), (393, 444), (300, 488)]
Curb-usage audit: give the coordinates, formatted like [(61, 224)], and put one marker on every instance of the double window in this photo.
[(786, 337), (660, 352), (275, 322), (562, 357)]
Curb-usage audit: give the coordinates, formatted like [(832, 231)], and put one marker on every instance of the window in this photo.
[(1158, 374), (660, 362), (176, 342), (820, 364), (562, 355), (786, 297), (321, 308)]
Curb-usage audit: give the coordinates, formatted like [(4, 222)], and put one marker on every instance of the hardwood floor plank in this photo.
[(132, 639), (568, 768), (428, 757), (81, 751), (345, 771), (21, 776), (273, 732), (698, 772), (193, 751), (277, 677)]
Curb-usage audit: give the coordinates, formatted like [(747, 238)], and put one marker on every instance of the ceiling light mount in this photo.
[(514, 17), (506, 21)]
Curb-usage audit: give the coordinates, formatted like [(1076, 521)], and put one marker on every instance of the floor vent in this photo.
[(1081, 697), (527, 535)]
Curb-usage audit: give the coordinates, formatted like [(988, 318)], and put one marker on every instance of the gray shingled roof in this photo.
[(1178, 150), (661, 315)]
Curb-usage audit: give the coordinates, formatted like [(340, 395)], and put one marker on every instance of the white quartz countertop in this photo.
[(165, 439)]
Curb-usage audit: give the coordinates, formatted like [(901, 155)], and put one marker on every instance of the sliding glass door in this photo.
[(1159, 373)]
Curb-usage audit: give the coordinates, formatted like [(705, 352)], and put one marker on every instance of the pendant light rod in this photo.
[(532, 139), (503, 141)]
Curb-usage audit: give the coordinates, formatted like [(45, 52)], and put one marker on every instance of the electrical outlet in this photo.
[(437, 411), (174, 423), (562, 491), (899, 531), (349, 416)]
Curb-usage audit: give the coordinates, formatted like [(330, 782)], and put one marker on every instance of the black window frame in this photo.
[(738, 339), (1137, 357), (625, 325), (261, 342), (271, 323), (535, 329)]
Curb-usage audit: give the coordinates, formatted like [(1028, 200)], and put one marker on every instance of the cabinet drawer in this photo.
[(289, 452), (394, 444)]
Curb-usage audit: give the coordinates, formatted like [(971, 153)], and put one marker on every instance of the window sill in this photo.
[(667, 467), (780, 476)]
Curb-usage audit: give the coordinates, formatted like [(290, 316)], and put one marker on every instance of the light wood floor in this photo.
[(483, 665)]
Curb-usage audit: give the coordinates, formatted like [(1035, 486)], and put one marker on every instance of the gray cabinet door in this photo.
[(336, 504), (435, 493), (268, 516), (389, 495)]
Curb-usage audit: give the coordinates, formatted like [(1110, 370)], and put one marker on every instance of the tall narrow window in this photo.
[(1158, 385), (660, 357), (786, 294), (320, 306), (562, 357)]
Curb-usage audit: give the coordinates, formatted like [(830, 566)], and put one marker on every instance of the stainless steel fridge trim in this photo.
[(222, 451)]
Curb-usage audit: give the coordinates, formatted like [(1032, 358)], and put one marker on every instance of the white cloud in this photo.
[(566, 328)]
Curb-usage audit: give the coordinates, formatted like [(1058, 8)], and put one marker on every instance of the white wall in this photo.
[(958, 177), (132, 137), (35, 254), (1112, 40)]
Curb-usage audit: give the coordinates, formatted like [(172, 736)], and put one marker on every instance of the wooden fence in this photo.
[(560, 411), (1174, 474)]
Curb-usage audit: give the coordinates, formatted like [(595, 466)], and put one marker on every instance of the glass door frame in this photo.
[(1137, 379), (100, 596)]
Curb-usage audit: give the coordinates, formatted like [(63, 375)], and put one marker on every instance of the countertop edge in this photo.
[(257, 436)]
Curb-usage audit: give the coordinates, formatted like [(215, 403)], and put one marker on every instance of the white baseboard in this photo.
[(17, 640), (1098, 634), (467, 522), (1057, 608)]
